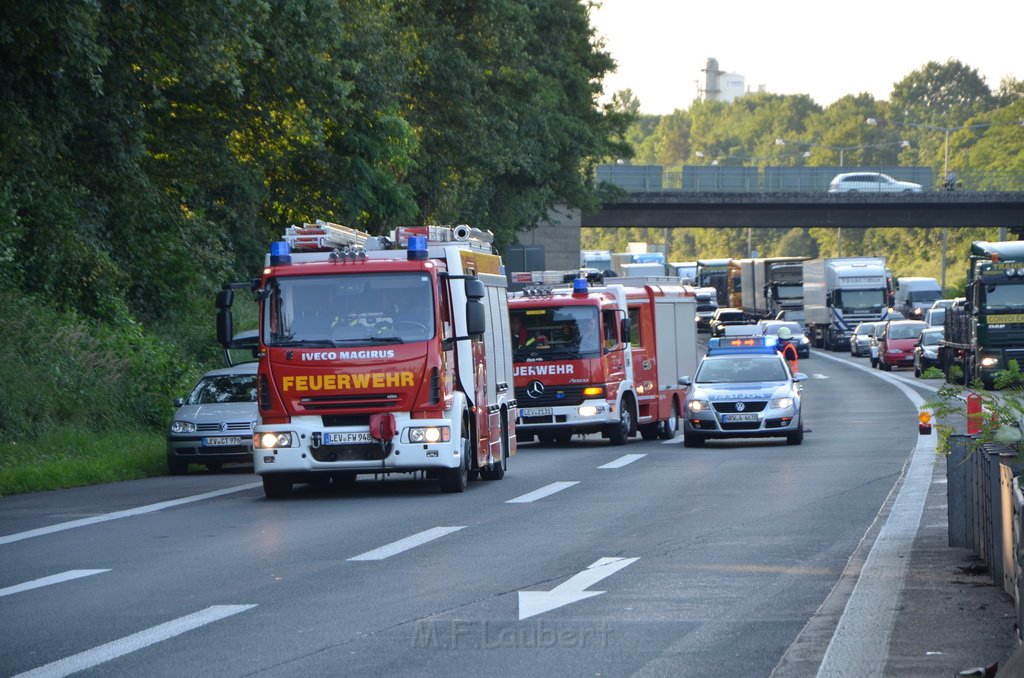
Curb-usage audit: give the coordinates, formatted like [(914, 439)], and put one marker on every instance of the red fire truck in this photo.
[(380, 355), (593, 357)]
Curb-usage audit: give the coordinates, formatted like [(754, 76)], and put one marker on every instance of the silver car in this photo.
[(870, 182), (213, 425), (860, 342)]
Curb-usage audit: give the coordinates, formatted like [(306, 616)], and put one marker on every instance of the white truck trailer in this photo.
[(840, 293)]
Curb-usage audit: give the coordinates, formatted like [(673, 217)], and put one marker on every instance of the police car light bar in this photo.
[(737, 345)]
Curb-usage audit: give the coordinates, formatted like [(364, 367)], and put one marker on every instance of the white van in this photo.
[(914, 296)]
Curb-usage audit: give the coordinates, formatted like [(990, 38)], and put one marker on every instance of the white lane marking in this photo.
[(415, 540), (48, 581), (136, 641), (867, 621), (532, 603), (623, 460), (127, 513), (543, 492)]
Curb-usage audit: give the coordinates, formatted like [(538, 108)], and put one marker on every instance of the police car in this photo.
[(742, 388)]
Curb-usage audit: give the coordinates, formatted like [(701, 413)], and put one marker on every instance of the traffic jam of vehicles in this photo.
[(419, 354)]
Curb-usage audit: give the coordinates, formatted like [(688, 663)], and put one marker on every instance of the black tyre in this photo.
[(693, 439), (546, 438), (796, 437), (177, 468), (277, 486), (620, 434), (563, 437), (649, 431), (456, 479), (496, 470), (668, 429)]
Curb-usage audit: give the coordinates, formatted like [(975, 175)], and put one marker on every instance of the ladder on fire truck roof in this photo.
[(322, 235)]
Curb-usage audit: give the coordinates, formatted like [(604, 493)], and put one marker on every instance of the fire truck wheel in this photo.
[(667, 429), (563, 437), (276, 486), (620, 432), (456, 479), (650, 431), (496, 470)]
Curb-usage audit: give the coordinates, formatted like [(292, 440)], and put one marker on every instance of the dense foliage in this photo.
[(151, 150), (986, 136)]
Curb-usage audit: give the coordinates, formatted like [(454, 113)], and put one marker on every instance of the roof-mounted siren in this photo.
[(579, 287), (280, 253)]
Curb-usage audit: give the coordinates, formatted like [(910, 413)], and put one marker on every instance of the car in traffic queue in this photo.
[(860, 341), (876, 335), (896, 345), (213, 425), (726, 316), (742, 388), (798, 336), (926, 350)]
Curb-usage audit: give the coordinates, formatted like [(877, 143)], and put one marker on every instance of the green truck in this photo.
[(986, 332)]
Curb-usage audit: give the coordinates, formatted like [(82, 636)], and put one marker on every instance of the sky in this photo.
[(822, 48)]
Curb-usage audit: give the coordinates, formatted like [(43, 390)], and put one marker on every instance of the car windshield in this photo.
[(227, 388), (906, 331), (930, 338), (736, 369)]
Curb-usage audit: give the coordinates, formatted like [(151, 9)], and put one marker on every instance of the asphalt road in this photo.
[(649, 559)]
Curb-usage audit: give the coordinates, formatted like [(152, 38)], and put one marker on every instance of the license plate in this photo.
[(728, 418), (347, 438), (224, 441), (535, 412)]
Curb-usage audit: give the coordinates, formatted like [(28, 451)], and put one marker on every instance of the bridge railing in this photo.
[(711, 178)]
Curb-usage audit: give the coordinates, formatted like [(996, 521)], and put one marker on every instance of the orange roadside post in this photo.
[(973, 413)]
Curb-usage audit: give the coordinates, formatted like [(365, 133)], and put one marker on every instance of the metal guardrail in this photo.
[(986, 511)]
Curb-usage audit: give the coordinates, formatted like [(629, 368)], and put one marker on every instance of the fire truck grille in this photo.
[(336, 420), (330, 453), (528, 396), (343, 402), (748, 406)]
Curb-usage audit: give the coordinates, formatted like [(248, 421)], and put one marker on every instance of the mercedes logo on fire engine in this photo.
[(740, 407), (535, 389)]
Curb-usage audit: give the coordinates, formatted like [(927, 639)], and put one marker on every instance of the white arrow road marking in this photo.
[(415, 540), (542, 492), (535, 602), (136, 641), (47, 581), (623, 460), (819, 375)]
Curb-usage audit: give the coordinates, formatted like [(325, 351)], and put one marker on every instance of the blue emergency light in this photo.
[(280, 253), (741, 345), (579, 286), (417, 248)]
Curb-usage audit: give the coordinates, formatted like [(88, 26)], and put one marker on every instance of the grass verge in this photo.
[(71, 457)]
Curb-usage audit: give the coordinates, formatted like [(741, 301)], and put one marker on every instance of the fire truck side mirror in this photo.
[(626, 330), (476, 312), (225, 324)]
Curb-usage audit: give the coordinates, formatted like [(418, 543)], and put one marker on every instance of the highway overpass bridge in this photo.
[(930, 209)]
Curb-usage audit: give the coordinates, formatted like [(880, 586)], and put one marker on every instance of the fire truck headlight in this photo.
[(273, 439), (696, 406), (989, 362), (430, 434), (782, 403), (182, 427), (593, 391), (590, 410)]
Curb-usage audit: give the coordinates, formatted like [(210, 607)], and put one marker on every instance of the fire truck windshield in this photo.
[(554, 333), (348, 310)]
